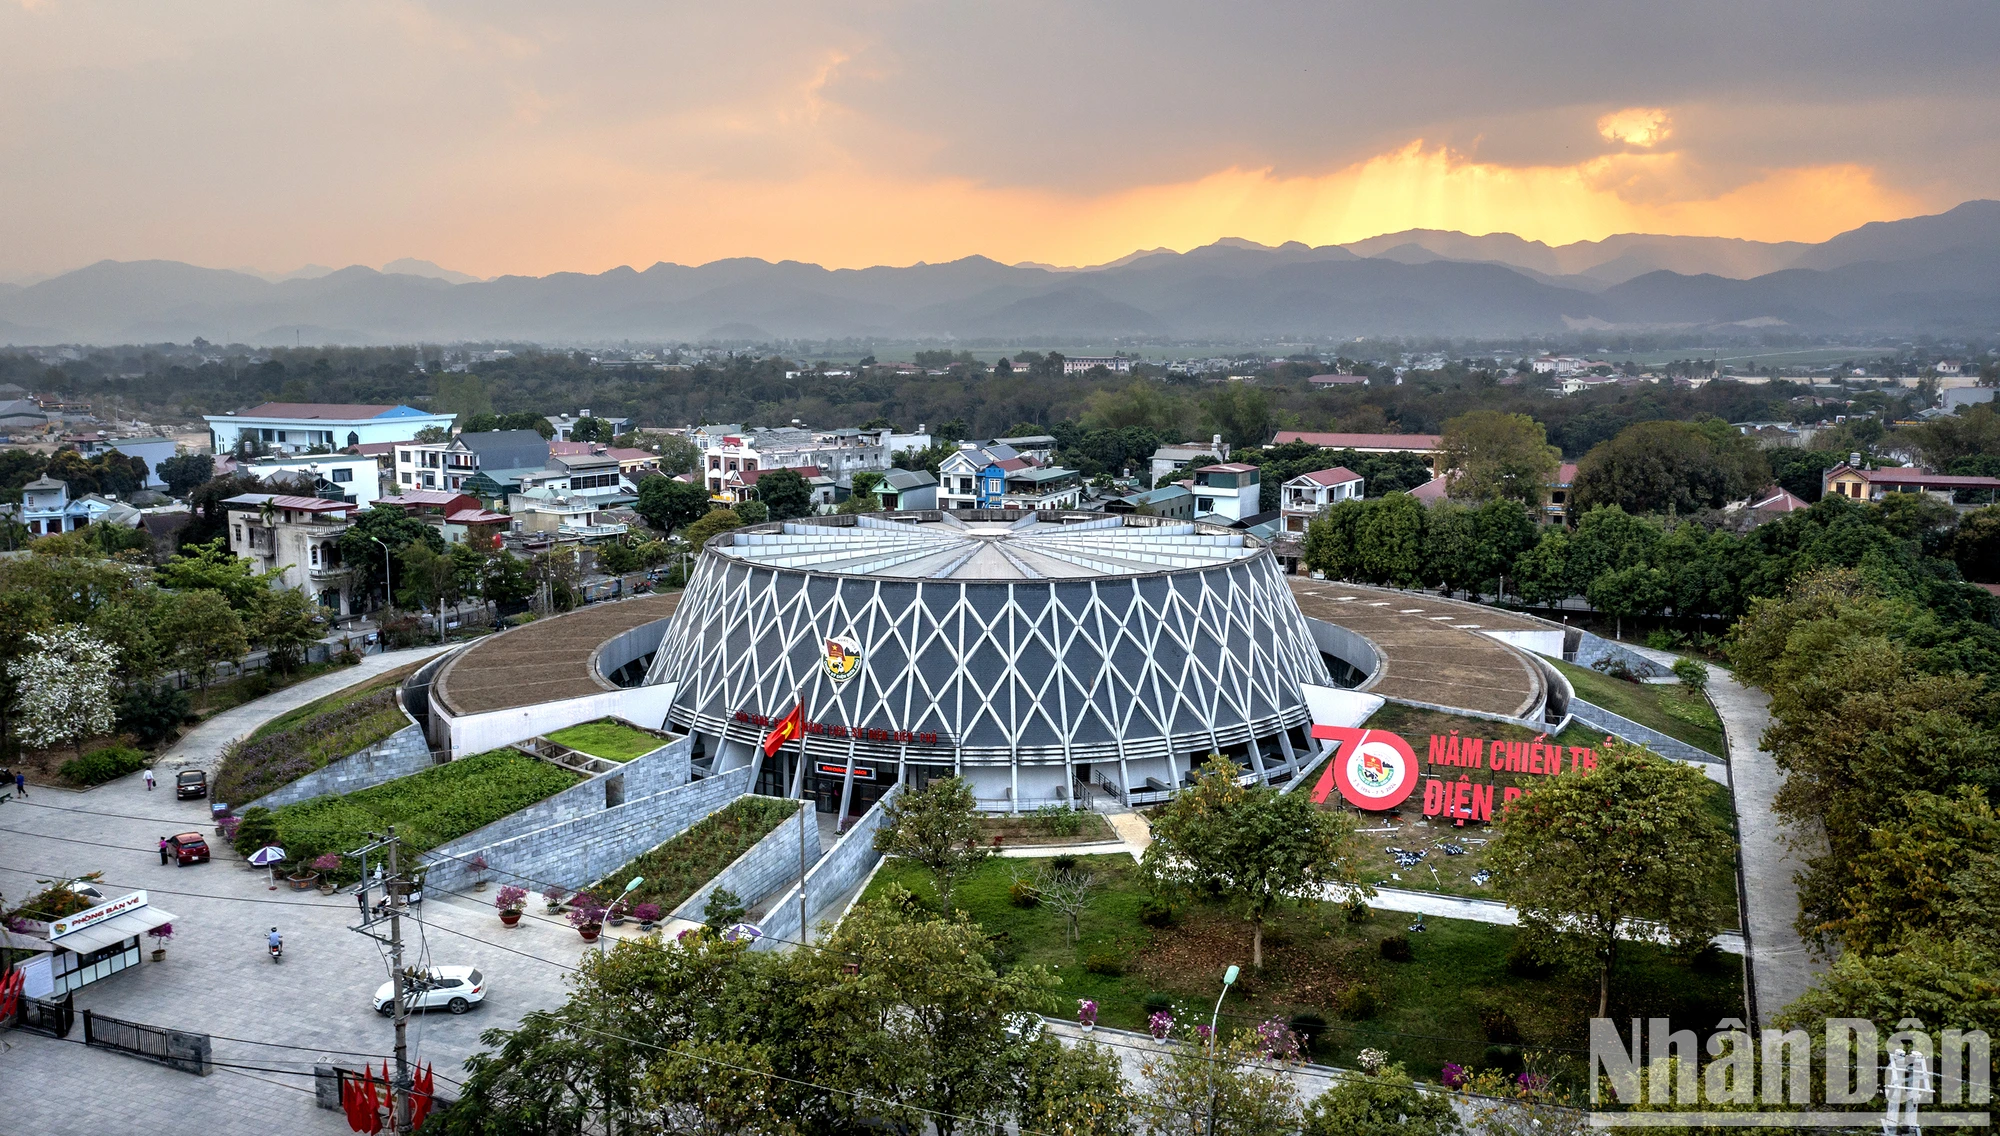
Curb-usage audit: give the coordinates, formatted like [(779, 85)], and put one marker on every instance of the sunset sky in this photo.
[(498, 137)]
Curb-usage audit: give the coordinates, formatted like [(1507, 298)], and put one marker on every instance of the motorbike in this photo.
[(277, 950)]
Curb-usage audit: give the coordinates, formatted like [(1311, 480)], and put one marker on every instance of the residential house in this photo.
[(1116, 364), (1949, 368), (839, 454), (1227, 493), (741, 486), (1042, 488), (1329, 382), (1037, 448), (354, 478), (565, 425), (295, 427), (22, 416), (1172, 459), (1173, 501), (1305, 496), (458, 517), (300, 536), (908, 489), (1557, 510), (635, 463), (1849, 479), (46, 508), (151, 450), (449, 465), (551, 513)]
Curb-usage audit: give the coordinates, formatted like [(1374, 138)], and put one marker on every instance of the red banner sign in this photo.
[(858, 733)]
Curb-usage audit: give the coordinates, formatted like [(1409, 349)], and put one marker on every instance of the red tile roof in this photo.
[(1226, 467), (570, 449), (444, 497), (1565, 474), (1919, 477), (1337, 380), (749, 477), (1776, 500), (628, 453), (1436, 489), (339, 410), (1360, 441), (378, 449), (476, 517), (1338, 475)]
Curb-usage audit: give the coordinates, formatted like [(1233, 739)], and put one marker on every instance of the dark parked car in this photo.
[(188, 848), (190, 783)]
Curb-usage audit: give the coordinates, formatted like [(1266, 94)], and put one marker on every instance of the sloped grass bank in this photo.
[(1665, 707), (613, 741), (304, 740), (428, 808), (679, 867)]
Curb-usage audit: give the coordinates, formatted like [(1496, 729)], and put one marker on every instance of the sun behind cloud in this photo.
[(1636, 126)]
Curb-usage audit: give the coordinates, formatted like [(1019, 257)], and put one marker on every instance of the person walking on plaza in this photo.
[(149, 780), (164, 850), (20, 784)]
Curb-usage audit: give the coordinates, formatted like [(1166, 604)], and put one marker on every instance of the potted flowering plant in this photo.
[(1371, 1060), (1086, 1014), (616, 913), (326, 864), (586, 914), (647, 914), (478, 866), (509, 903), (554, 896), (160, 935), (1160, 1024)]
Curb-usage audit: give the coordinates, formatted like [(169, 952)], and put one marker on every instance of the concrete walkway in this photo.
[(1780, 967), (1479, 911), (202, 747)]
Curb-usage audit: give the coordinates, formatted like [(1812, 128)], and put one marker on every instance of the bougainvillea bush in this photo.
[(261, 763)]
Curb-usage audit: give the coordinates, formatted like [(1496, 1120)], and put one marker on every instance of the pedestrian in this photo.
[(149, 780), (165, 850), (20, 784)]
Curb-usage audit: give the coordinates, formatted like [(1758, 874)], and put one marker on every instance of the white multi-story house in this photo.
[(299, 536), (838, 454), (1304, 496), (1171, 459), (354, 478), (295, 427), (449, 465), (1116, 364), (1228, 492), (46, 508), (993, 476)]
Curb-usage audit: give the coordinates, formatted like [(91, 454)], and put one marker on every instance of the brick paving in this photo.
[(218, 979), (543, 661), (1432, 650)]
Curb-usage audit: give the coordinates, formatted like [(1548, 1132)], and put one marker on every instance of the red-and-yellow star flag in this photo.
[(791, 726)]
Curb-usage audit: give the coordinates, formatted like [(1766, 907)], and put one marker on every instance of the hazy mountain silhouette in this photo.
[(1923, 274)]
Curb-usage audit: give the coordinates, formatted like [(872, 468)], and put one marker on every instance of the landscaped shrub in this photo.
[(254, 829), (1358, 1003), (153, 714), (1396, 948), (1309, 1027), (107, 764), (1156, 912), (1523, 962), (1022, 893), (1059, 820), (1105, 962), (1499, 1026), (1157, 1002), (427, 808), (263, 763), (1356, 911), (678, 868), (723, 910), (1693, 675)]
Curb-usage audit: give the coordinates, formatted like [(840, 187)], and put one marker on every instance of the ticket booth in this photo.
[(99, 942)]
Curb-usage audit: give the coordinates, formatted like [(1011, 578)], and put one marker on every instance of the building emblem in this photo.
[(843, 655), (1374, 769)]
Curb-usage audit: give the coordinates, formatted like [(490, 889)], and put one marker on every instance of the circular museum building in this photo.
[(1044, 656)]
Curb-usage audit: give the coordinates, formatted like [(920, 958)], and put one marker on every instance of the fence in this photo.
[(46, 1015), (177, 1049)]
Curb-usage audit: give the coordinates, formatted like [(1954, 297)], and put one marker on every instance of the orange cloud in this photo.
[(1636, 126), (853, 217)]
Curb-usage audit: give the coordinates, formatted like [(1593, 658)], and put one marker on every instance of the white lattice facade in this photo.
[(1029, 654)]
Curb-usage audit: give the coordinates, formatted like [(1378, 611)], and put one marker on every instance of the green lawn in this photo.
[(613, 741), (332, 702), (679, 867), (1442, 1006), (1667, 708), (428, 809)]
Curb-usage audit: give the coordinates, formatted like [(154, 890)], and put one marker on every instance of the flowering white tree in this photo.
[(66, 688)]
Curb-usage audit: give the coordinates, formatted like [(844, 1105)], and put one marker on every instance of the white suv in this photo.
[(454, 988)]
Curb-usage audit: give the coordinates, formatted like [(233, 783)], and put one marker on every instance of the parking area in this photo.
[(273, 1021)]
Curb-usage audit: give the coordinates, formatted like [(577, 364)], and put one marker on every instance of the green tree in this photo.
[(617, 558), (1976, 545), (752, 512), (391, 526), (1074, 1090), (503, 580), (1588, 854), (590, 429), (925, 1015), (203, 631), (212, 567), (1232, 1088), (785, 493), (184, 471), (1386, 1104), (1655, 467), (1946, 983), (1390, 539), (1333, 543), (860, 503), (937, 826), (713, 522), (678, 455), (286, 623), (1490, 454), (668, 504), (1251, 845), (1241, 413), (1623, 592)]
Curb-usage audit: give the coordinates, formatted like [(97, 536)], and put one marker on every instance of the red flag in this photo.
[(350, 1102), (420, 1098), (10, 994), (789, 727)]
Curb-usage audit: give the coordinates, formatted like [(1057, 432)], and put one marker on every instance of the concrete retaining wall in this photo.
[(581, 845), (1590, 649), (399, 755), (1598, 718), (477, 733), (1350, 647), (770, 865), (627, 647), (840, 871)]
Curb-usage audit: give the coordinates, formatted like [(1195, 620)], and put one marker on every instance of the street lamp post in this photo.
[(388, 576), (1228, 980)]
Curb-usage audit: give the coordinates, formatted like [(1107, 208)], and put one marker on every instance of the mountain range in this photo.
[(1934, 274)]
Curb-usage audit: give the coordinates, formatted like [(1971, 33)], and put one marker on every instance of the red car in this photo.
[(188, 848)]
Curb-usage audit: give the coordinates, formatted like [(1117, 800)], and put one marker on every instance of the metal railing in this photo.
[(177, 1049)]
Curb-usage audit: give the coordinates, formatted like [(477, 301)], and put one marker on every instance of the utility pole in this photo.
[(396, 892)]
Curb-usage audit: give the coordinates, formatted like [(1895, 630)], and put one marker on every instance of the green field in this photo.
[(1668, 708), (1442, 1006), (613, 741)]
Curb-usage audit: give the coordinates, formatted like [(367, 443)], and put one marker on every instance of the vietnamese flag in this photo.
[(792, 725)]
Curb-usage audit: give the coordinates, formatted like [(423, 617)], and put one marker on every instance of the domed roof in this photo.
[(940, 546)]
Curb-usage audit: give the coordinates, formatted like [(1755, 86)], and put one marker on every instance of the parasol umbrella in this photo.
[(743, 932), (268, 857)]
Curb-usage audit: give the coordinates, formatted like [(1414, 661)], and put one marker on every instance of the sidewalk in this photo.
[(1780, 967), (202, 747), (1478, 911)]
